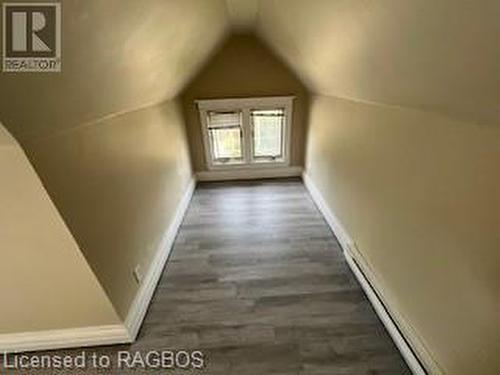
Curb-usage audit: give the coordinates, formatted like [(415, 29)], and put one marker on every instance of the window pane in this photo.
[(226, 143), (224, 129), (268, 133)]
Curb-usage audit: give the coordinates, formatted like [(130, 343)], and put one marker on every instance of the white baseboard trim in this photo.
[(248, 173), (332, 220), (367, 281), (108, 334), (141, 302), (63, 338)]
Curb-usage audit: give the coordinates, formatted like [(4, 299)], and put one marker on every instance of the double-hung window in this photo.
[(249, 132)]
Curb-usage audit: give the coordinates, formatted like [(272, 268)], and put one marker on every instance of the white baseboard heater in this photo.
[(416, 365)]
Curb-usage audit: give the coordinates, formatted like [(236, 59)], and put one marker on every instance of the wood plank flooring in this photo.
[(256, 281)]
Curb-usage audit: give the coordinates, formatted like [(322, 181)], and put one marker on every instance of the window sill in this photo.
[(250, 172), (252, 166)]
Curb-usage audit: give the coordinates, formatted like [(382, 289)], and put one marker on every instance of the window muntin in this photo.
[(268, 134)]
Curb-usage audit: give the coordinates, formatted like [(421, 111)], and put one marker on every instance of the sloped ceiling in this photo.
[(436, 55), (243, 14), (120, 55), (117, 55)]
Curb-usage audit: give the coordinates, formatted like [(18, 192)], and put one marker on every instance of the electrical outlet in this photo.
[(138, 274)]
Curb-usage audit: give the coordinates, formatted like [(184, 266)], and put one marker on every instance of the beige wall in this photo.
[(45, 282), (117, 56), (117, 183), (419, 192), (116, 172), (420, 195), (244, 67)]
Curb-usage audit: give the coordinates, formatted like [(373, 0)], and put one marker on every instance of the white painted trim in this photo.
[(245, 105), (331, 219), (232, 103), (249, 173), (63, 338), (403, 340), (141, 302)]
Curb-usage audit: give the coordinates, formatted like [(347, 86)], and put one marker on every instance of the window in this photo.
[(225, 135), (267, 134), (252, 132)]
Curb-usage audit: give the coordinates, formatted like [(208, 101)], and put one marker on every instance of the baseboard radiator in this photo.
[(416, 364)]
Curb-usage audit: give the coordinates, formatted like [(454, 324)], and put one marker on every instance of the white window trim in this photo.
[(246, 104)]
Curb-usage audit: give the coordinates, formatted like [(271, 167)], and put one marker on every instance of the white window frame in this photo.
[(246, 105)]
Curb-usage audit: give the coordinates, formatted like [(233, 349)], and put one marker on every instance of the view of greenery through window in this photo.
[(267, 132)]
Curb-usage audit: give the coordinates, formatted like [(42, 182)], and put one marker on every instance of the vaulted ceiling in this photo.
[(435, 55), (119, 55)]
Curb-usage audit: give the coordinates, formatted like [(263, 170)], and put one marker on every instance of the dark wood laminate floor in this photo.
[(257, 281)]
